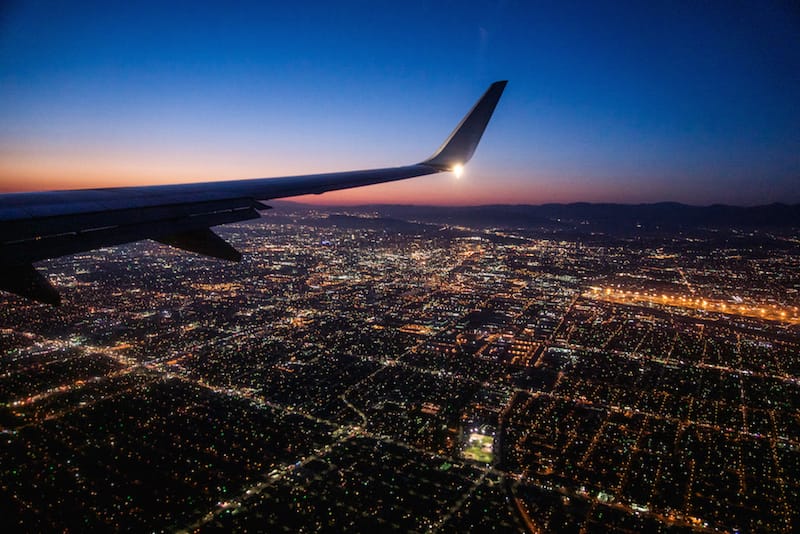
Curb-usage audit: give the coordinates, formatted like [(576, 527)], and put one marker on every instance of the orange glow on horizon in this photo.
[(48, 172)]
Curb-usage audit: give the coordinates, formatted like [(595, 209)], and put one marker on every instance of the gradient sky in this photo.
[(697, 102)]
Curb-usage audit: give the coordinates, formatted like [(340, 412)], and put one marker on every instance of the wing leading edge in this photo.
[(42, 225)]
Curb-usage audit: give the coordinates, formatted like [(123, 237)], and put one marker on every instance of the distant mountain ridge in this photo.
[(667, 216)]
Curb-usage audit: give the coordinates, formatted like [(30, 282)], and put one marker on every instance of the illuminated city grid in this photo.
[(350, 376)]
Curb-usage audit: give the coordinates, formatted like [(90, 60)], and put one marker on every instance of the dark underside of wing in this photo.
[(38, 226)]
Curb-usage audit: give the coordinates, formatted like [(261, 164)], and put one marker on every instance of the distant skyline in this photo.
[(630, 102)]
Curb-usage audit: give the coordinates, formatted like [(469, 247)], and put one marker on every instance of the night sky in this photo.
[(697, 102)]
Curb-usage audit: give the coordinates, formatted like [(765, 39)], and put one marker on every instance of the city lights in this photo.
[(356, 371)]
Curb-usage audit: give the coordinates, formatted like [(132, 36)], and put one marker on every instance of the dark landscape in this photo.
[(504, 369)]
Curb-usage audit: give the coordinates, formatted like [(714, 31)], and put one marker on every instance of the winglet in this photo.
[(459, 147)]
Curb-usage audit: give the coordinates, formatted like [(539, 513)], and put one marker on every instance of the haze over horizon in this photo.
[(631, 104)]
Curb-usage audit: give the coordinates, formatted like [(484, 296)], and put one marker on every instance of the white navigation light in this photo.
[(458, 170)]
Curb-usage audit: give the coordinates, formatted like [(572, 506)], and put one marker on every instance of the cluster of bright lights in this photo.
[(734, 306)]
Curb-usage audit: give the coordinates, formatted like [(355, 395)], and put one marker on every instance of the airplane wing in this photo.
[(42, 225)]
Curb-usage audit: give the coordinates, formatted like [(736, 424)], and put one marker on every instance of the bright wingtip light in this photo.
[(458, 170)]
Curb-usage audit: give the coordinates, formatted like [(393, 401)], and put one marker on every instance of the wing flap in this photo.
[(203, 242), (25, 281)]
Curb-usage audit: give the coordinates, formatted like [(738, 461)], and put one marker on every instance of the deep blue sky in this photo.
[(641, 102)]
